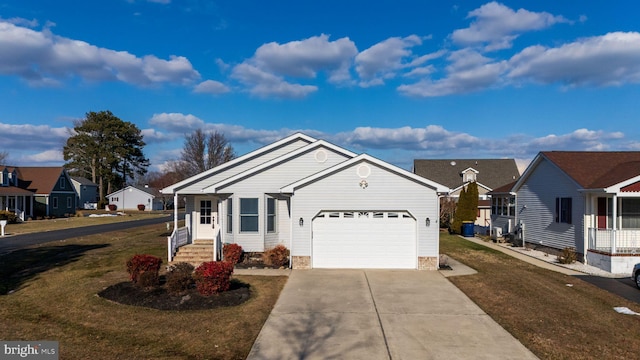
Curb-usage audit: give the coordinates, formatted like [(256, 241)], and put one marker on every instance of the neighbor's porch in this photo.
[(17, 201)]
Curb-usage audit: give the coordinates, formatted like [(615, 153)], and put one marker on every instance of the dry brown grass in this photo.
[(32, 226), (553, 320), (54, 298)]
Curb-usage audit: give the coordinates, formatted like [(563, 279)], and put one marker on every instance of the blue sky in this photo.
[(397, 79)]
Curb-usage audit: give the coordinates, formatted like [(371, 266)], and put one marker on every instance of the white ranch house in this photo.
[(329, 206)]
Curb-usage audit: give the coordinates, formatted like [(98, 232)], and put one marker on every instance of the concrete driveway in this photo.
[(380, 314)]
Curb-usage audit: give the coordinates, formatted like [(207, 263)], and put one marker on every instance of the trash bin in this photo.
[(467, 228)]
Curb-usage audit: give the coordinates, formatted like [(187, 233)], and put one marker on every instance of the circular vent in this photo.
[(321, 156), (364, 171)]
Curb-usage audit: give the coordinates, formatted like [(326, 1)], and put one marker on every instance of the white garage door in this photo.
[(364, 239)]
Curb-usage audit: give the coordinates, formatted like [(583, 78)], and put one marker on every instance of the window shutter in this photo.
[(569, 200), (557, 210)]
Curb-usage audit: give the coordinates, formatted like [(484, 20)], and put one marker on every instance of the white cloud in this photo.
[(611, 59), (176, 122), (582, 139), (497, 25), (49, 156), (42, 58), (211, 87), (264, 84), (39, 137), (384, 59)]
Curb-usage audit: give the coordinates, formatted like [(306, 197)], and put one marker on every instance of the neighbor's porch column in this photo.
[(614, 234), (175, 211), (31, 207)]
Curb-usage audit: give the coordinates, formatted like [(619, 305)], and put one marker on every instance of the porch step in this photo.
[(195, 254)]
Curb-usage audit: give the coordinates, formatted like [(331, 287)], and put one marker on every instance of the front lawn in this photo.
[(554, 315), (49, 293)]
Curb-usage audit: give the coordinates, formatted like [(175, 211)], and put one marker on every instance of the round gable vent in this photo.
[(321, 156), (364, 171)]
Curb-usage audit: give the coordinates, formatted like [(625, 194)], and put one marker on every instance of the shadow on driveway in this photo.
[(624, 287), (19, 266)]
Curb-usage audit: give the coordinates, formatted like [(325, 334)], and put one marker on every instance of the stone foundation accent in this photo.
[(427, 263), (301, 262)]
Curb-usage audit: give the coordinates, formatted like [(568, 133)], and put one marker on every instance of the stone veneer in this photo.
[(301, 262), (427, 263)]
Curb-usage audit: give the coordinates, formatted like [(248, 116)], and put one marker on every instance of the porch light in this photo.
[(427, 222), (301, 222)]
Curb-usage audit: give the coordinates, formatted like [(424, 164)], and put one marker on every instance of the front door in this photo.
[(206, 217)]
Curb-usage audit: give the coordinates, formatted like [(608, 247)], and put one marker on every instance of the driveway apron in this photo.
[(380, 314)]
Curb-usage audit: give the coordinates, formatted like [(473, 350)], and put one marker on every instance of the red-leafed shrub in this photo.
[(232, 253), (113, 207), (213, 277), (277, 256), (141, 207), (143, 269)]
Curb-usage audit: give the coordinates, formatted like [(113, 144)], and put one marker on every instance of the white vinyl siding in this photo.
[(385, 190), (538, 193)]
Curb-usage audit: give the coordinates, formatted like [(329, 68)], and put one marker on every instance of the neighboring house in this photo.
[(503, 210), (86, 192), (330, 207), (131, 196), (457, 173), (37, 191), (586, 200)]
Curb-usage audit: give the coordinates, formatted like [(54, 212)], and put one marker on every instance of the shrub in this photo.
[(213, 277), (143, 269), (180, 277), (568, 256), (9, 216), (141, 207), (232, 253), (113, 207), (277, 256)]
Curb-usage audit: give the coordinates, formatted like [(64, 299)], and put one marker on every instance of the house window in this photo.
[(205, 211), (249, 215), (55, 202), (563, 210), (630, 213), (512, 206), (69, 203), (271, 214), (229, 215), (63, 183)]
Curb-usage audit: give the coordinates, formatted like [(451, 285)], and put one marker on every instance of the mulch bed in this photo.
[(158, 298)]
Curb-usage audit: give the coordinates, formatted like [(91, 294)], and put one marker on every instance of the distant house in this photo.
[(503, 210), (488, 174), (586, 200), (131, 196), (86, 192), (37, 191)]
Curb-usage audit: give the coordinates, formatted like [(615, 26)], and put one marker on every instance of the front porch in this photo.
[(17, 201)]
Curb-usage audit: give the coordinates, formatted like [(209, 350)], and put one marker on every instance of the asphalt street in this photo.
[(12, 243)]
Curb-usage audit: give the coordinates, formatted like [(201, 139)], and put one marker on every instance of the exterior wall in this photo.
[(243, 166), (538, 193), (86, 194), (485, 217), (129, 198), (613, 264), (283, 226), (505, 222), (385, 191)]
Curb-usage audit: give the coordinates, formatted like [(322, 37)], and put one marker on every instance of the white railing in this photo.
[(20, 214), (620, 241), (179, 237)]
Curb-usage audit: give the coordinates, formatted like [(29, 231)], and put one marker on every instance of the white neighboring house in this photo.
[(86, 192), (131, 196), (330, 207)]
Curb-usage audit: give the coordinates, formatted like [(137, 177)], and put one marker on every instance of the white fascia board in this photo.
[(467, 183), (290, 189), (469, 168), (318, 143), (615, 188), (175, 187)]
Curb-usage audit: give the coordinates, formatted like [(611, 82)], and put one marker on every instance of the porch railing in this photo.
[(619, 241), (179, 237)]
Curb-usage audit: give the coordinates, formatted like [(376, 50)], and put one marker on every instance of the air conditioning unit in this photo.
[(496, 233)]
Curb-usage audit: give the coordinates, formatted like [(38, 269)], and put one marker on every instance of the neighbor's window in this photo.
[(630, 213), (249, 215), (512, 206), (205, 211), (229, 215), (63, 184), (271, 214), (563, 210), (55, 202), (69, 203)]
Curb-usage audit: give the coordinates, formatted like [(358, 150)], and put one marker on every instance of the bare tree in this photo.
[(203, 151), (4, 156)]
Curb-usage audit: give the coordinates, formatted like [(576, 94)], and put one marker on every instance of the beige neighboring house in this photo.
[(86, 193), (131, 196), (488, 174)]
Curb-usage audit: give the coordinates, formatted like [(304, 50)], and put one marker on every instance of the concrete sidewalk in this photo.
[(380, 314)]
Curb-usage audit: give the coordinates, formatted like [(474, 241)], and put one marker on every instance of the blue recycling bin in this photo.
[(467, 228)]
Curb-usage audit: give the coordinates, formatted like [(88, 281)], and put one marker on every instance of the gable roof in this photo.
[(596, 169), (149, 190), (40, 180), (83, 181), (364, 157), (280, 159), (504, 189), (229, 164), (492, 173)]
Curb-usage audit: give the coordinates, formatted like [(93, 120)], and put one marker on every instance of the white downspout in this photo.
[(615, 223), (175, 211), (291, 232)]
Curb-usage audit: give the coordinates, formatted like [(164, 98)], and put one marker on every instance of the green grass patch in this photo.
[(552, 319)]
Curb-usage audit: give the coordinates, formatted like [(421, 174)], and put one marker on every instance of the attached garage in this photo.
[(364, 239)]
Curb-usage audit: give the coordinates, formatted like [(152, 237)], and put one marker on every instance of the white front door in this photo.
[(206, 217)]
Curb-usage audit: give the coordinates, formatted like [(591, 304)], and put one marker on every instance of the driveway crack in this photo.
[(384, 336)]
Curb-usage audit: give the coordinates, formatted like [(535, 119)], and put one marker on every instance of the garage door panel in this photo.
[(364, 241)]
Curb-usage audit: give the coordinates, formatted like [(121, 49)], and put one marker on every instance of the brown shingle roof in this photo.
[(40, 180), (492, 173), (596, 169)]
